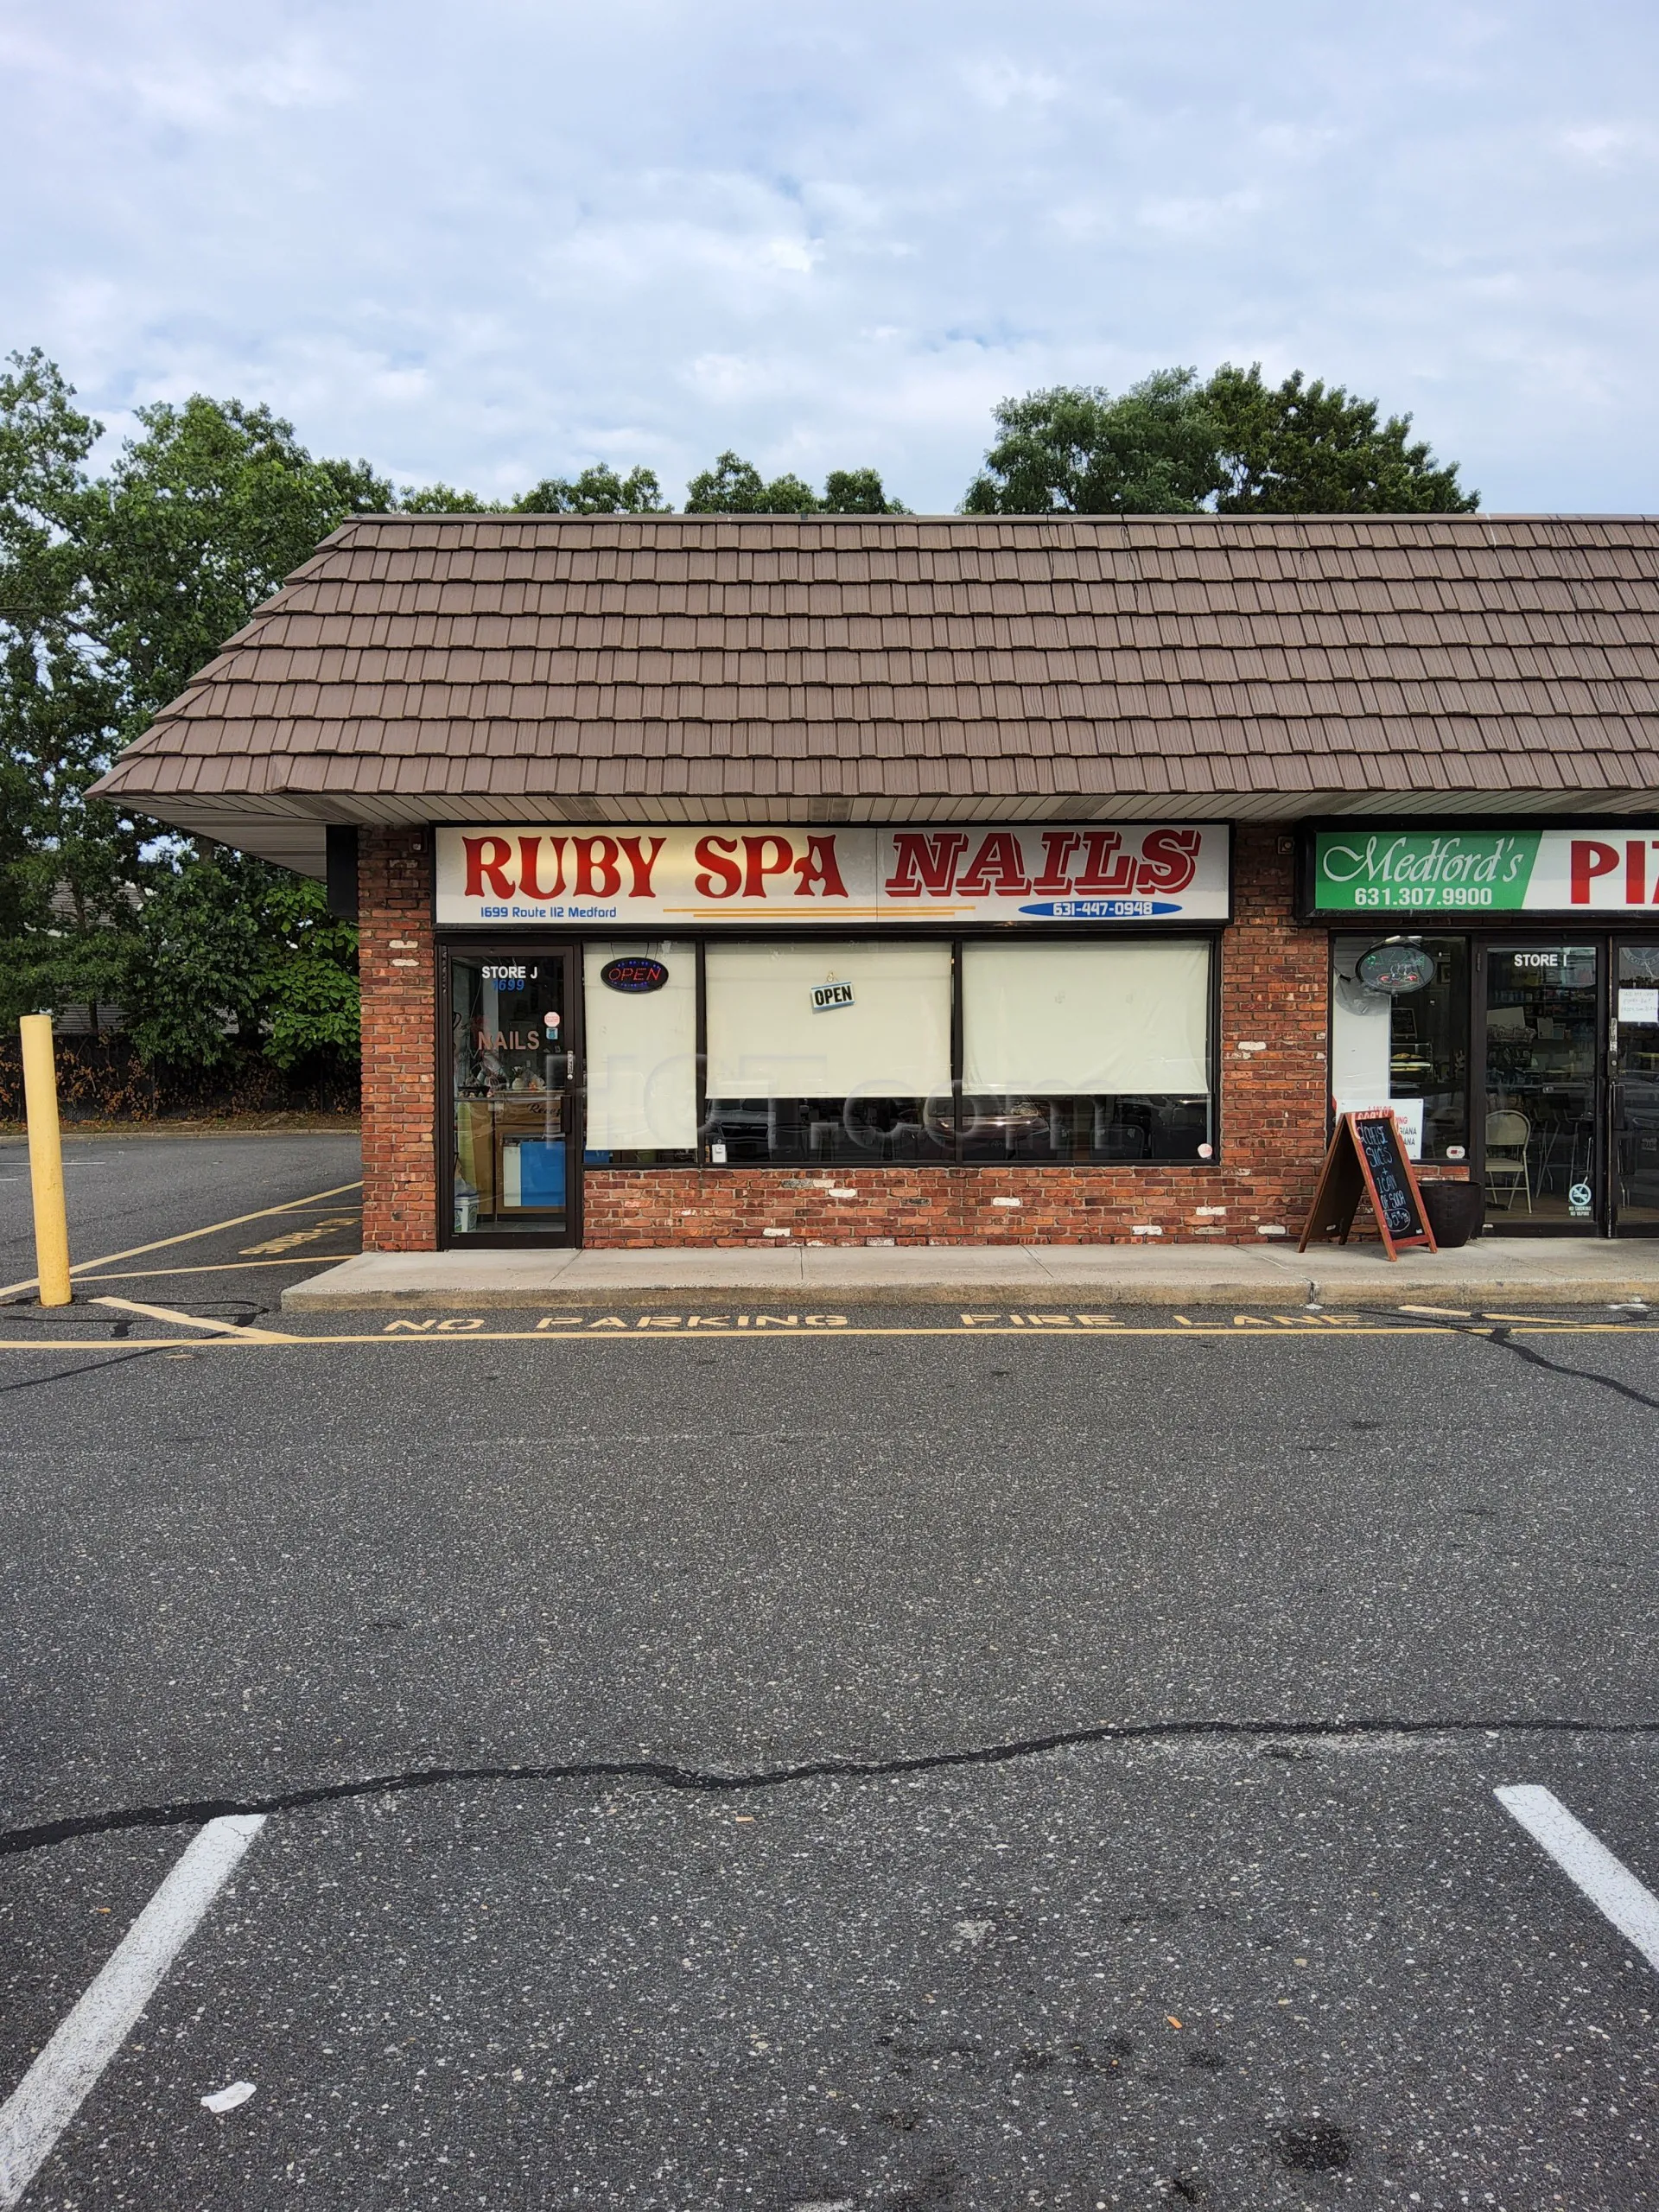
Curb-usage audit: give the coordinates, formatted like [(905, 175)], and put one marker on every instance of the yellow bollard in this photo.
[(45, 1160)]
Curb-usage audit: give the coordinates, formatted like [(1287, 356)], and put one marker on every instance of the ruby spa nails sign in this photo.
[(683, 877)]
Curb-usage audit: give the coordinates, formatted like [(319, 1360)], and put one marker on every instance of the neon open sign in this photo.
[(634, 973)]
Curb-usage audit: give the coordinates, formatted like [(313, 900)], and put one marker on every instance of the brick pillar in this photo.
[(1274, 992), (397, 966)]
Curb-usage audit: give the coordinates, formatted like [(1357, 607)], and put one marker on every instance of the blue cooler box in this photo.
[(532, 1171)]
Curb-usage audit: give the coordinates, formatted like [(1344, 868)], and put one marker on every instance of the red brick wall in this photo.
[(395, 960), (1273, 1106)]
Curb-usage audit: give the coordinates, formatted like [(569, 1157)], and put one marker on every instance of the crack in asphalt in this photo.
[(663, 1774), (666, 1775), (1502, 1338), (1501, 1334)]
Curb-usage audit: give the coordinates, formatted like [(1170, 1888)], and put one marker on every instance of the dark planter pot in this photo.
[(1456, 1211)]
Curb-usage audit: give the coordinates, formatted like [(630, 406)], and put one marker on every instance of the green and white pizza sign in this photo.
[(1614, 870)]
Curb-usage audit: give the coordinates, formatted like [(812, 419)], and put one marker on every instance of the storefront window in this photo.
[(1636, 1093), (1400, 1036), (838, 1052), (1086, 1051), (641, 1044), (1542, 1037)]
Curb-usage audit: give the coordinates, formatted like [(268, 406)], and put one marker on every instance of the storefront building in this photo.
[(1499, 987), (733, 881)]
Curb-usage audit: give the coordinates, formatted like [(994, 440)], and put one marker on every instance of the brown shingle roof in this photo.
[(423, 668)]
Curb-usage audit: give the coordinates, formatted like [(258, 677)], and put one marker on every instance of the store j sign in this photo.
[(1606, 870), (673, 878)]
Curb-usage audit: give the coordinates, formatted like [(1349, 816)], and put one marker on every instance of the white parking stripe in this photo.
[(1586, 1860), (50, 2094)]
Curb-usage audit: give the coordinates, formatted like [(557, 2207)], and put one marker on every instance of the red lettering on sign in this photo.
[(642, 863), (817, 866), (1591, 858), (1169, 860), (720, 874), (759, 868), (487, 857), (597, 874), (998, 869), (1058, 845), (923, 863), (1635, 873), (528, 850), (1095, 877)]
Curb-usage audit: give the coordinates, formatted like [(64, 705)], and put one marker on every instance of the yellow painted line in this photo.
[(191, 1320), (469, 1331), (137, 1251), (219, 1267), (335, 1224), (313, 1206)]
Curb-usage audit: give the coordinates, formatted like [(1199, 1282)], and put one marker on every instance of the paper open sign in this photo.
[(826, 997)]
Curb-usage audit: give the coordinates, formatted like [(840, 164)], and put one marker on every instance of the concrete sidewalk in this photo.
[(1566, 1270)]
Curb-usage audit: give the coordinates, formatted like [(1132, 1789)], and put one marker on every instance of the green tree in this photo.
[(68, 864), (113, 595), (1078, 450), (1172, 445), (1301, 448), (857, 492), (238, 955), (734, 486), (444, 499), (598, 491), (309, 1007), (198, 522)]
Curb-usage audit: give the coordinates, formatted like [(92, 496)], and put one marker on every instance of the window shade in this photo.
[(642, 1069), (765, 1040), (1086, 1019), (1362, 1029)]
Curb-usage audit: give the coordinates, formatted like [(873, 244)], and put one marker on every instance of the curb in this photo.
[(1289, 1293)]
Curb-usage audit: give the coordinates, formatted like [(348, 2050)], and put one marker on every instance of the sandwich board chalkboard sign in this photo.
[(1368, 1159)]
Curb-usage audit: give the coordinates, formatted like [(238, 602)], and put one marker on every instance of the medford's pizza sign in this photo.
[(677, 877)]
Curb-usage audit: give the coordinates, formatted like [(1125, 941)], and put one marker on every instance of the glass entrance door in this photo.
[(1634, 1060), (513, 1092), (1543, 1160)]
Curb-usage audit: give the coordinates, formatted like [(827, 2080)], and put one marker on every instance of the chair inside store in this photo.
[(1508, 1158), (1542, 1030)]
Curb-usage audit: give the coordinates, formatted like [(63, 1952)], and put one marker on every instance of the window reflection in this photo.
[(1403, 1040), (510, 1073), (1093, 1129), (1541, 1004)]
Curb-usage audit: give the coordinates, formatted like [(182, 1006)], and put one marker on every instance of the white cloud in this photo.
[(1607, 145), (191, 89), (1194, 216), (995, 81), (489, 244)]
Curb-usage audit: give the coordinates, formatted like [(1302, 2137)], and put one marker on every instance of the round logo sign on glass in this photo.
[(633, 972), (1395, 968)]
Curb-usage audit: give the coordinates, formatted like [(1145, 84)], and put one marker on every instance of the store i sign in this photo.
[(679, 878), (1611, 870)]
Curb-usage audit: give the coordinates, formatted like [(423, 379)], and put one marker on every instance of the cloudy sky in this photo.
[(490, 241)]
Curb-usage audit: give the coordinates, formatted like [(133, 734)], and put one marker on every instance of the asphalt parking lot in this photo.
[(706, 1757)]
